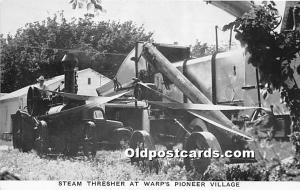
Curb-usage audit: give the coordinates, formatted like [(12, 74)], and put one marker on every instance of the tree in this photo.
[(37, 49), (89, 4), (272, 53), (203, 49)]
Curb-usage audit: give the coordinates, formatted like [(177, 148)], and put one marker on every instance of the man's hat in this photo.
[(41, 78)]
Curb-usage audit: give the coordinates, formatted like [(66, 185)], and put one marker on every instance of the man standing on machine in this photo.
[(43, 87)]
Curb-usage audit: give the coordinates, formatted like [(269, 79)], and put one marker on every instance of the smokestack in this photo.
[(70, 62)]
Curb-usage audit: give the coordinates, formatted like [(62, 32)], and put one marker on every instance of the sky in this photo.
[(182, 21)]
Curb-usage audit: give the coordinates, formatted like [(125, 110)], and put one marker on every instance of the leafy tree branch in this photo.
[(272, 53)]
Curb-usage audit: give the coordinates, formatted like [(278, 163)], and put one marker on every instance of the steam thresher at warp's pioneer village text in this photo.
[(64, 122)]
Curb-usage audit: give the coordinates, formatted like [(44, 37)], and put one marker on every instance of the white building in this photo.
[(88, 80)]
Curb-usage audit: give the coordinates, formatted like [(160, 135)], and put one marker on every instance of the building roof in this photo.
[(23, 91), (2, 94)]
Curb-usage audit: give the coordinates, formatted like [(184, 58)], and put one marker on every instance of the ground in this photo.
[(107, 165), (113, 165)]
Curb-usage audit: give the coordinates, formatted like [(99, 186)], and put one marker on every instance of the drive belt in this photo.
[(191, 108)]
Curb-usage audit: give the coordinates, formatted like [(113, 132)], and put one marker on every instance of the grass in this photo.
[(113, 165), (107, 165)]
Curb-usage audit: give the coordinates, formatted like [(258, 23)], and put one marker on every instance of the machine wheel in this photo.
[(30, 100), (200, 141), (23, 131), (37, 104), (197, 125), (34, 100), (140, 140), (89, 140), (41, 142), (122, 136), (16, 129), (27, 136)]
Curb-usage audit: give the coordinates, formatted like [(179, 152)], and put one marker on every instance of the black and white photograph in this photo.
[(149, 93)]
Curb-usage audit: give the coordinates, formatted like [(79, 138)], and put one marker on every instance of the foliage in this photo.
[(271, 52), (37, 49), (255, 30), (88, 4), (200, 49)]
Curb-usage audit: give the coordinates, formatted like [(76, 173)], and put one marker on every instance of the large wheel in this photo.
[(140, 140), (34, 101), (122, 137), (37, 104), (30, 100), (23, 131), (200, 141), (16, 129), (197, 125), (27, 134)]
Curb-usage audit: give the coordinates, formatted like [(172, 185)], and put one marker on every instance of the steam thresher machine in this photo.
[(65, 123)]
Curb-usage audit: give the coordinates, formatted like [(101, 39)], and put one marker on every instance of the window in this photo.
[(89, 81), (98, 114)]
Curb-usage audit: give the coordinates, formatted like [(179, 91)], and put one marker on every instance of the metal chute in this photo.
[(161, 64), (235, 8)]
